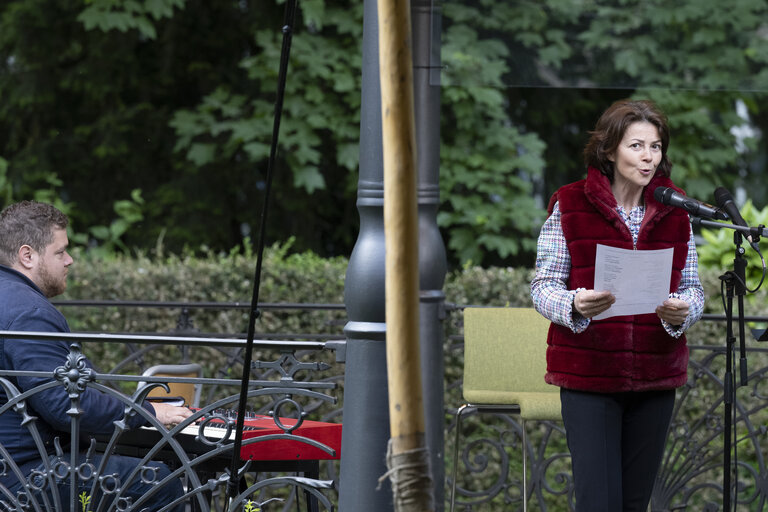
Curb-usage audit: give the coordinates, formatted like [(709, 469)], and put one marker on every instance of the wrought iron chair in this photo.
[(504, 366), (189, 391)]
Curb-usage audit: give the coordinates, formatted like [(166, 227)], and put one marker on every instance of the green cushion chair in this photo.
[(504, 367)]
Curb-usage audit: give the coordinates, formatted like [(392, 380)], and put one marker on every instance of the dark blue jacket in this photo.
[(23, 307)]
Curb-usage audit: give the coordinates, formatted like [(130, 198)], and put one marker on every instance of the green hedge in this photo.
[(286, 278), (226, 278), (212, 278)]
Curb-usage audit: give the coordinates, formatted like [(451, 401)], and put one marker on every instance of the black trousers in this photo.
[(616, 442)]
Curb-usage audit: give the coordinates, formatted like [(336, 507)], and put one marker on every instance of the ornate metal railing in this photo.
[(305, 379), (288, 389), (691, 476)]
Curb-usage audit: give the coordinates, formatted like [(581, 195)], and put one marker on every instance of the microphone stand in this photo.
[(735, 284), (234, 475)]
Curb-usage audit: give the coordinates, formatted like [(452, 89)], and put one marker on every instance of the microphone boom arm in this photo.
[(747, 230)]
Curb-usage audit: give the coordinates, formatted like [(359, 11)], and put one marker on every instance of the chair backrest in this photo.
[(504, 354), (189, 391)]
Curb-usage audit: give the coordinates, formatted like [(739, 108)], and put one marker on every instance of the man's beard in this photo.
[(50, 285)]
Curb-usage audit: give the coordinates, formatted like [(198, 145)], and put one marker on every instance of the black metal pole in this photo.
[(234, 477), (366, 402), (740, 267), (426, 27), (366, 398), (728, 392), (735, 284)]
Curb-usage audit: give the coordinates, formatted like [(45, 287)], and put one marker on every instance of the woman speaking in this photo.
[(618, 375)]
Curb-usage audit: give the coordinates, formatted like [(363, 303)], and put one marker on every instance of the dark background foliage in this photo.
[(150, 121)]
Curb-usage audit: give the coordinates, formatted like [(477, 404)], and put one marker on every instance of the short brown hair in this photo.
[(610, 129), (28, 223)]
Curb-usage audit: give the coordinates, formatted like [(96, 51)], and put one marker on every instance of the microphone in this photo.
[(668, 196), (725, 201)]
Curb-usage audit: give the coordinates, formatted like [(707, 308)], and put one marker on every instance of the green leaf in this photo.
[(201, 154), (100, 232), (308, 178)]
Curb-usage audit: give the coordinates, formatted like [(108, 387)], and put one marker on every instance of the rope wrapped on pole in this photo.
[(407, 457)]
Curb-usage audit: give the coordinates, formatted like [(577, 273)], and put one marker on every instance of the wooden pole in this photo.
[(407, 458)]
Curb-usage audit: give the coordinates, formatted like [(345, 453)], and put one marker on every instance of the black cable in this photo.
[(762, 259)]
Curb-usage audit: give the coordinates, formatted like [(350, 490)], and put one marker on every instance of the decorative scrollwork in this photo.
[(75, 374), (47, 487), (691, 475), (287, 366)]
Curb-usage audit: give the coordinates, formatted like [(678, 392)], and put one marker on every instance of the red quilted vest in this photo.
[(624, 353)]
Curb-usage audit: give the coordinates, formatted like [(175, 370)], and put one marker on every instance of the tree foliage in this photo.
[(487, 159), (107, 15), (174, 99), (565, 61)]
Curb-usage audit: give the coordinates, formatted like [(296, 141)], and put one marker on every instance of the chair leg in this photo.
[(459, 413), (525, 469)]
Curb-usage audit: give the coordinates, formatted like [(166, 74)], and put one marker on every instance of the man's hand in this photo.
[(170, 415), (673, 311), (589, 303)]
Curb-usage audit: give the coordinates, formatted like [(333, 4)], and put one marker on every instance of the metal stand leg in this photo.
[(525, 470), (459, 413)]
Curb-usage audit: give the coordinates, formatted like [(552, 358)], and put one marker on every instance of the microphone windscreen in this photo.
[(722, 196), (661, 194)]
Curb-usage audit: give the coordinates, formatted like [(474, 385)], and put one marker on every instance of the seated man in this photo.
[(33, 268)]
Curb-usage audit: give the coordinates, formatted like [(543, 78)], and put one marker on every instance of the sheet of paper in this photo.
[(638, 279)]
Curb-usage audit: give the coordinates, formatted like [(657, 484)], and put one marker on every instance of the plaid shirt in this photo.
[(554, 300)]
